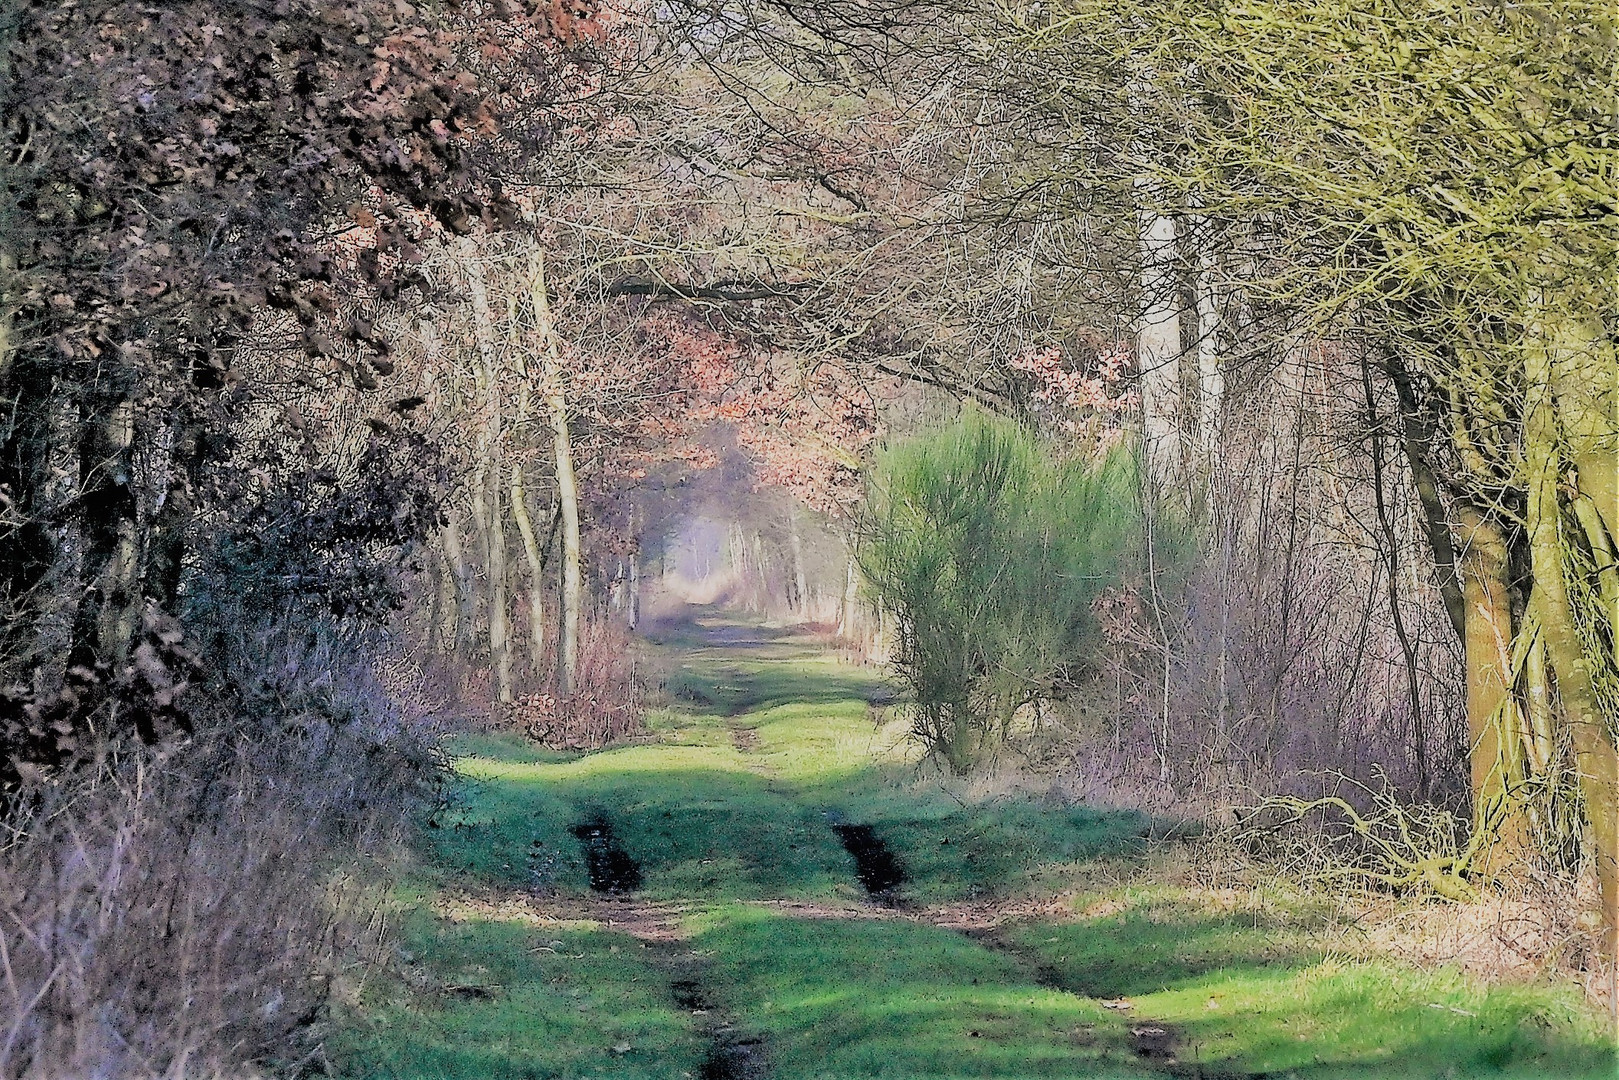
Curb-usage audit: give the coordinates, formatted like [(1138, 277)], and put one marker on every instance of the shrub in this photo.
[(184, 909), (186, 913), (607, 704), (990, 551)]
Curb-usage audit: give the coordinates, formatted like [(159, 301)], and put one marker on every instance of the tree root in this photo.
[(1388, 846)]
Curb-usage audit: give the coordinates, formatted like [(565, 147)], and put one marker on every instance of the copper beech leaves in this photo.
[(184, 155), (182, 181)]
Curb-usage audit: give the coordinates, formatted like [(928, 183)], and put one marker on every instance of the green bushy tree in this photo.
[(990, 550)]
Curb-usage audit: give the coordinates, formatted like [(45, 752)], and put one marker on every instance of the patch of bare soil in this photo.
[(975, 916), (1153, 1042), (611, 868), (880, 872)]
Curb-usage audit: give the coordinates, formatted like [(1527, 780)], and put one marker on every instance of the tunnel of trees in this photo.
[(1236, 381)]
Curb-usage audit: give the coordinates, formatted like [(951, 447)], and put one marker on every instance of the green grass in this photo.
[(1250, 992), (494, 999), (731, 803), (702, 825), (893, 998), (728, 668), (836, 758), (709, 822)]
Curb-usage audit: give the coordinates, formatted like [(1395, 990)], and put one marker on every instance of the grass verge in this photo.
[(482, 991)]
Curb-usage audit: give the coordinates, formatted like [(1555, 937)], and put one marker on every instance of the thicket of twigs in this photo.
[(185, 911), (185, 907), (606, 703)]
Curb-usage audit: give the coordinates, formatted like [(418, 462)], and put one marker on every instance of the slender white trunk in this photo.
[(500, 635), (440, 623), (1158, 348), (572, 580), (536, 569), (1210, 375), (446, 626), (122, 615), (799, 581), (554, 392), (534, 559), (453, 626), (851, 593), (1158, 325), (465, 594), (635, 588), (759, 594)]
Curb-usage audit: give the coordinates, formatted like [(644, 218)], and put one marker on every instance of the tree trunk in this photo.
[(172, 517), (634, 613), (536, 569), (1597, 760), (554, 393), (450, 604), (109, 610), (1491, 707), (1158, 349), (851, 596), (635, 588), (760, 593), (464, 614), (486, 507), (572, 577), (1389, 546), (500, 634), (799, 582), (1418, 429), (1210, 375), (443, 625)]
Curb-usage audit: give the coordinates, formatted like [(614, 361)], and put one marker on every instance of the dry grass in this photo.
[(185, 914), (1534, 928)]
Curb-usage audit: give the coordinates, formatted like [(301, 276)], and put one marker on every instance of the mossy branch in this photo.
[(1388, 846)]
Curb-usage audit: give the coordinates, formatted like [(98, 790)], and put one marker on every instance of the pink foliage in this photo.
[(805, 426), (1091, 397)]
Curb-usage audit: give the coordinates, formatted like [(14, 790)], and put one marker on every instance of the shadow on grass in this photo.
[(698, 833), (733, 689), (1250, 996), (701, 627), (997, 849), (493, 999), (703, 826), (893, 998), (1230, 994), (732, 666), (1142, 952), (854, 998)]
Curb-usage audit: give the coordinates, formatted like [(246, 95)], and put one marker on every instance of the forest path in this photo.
[(766, 886)]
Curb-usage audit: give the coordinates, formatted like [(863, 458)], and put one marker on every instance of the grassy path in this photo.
[(1018, 944)]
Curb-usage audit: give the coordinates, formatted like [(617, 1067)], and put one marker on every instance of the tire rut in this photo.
[(730, 1052), (880, 871), (1155, 1044), (612, 870)]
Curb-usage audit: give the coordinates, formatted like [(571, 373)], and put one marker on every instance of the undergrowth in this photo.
[(187, 910)]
